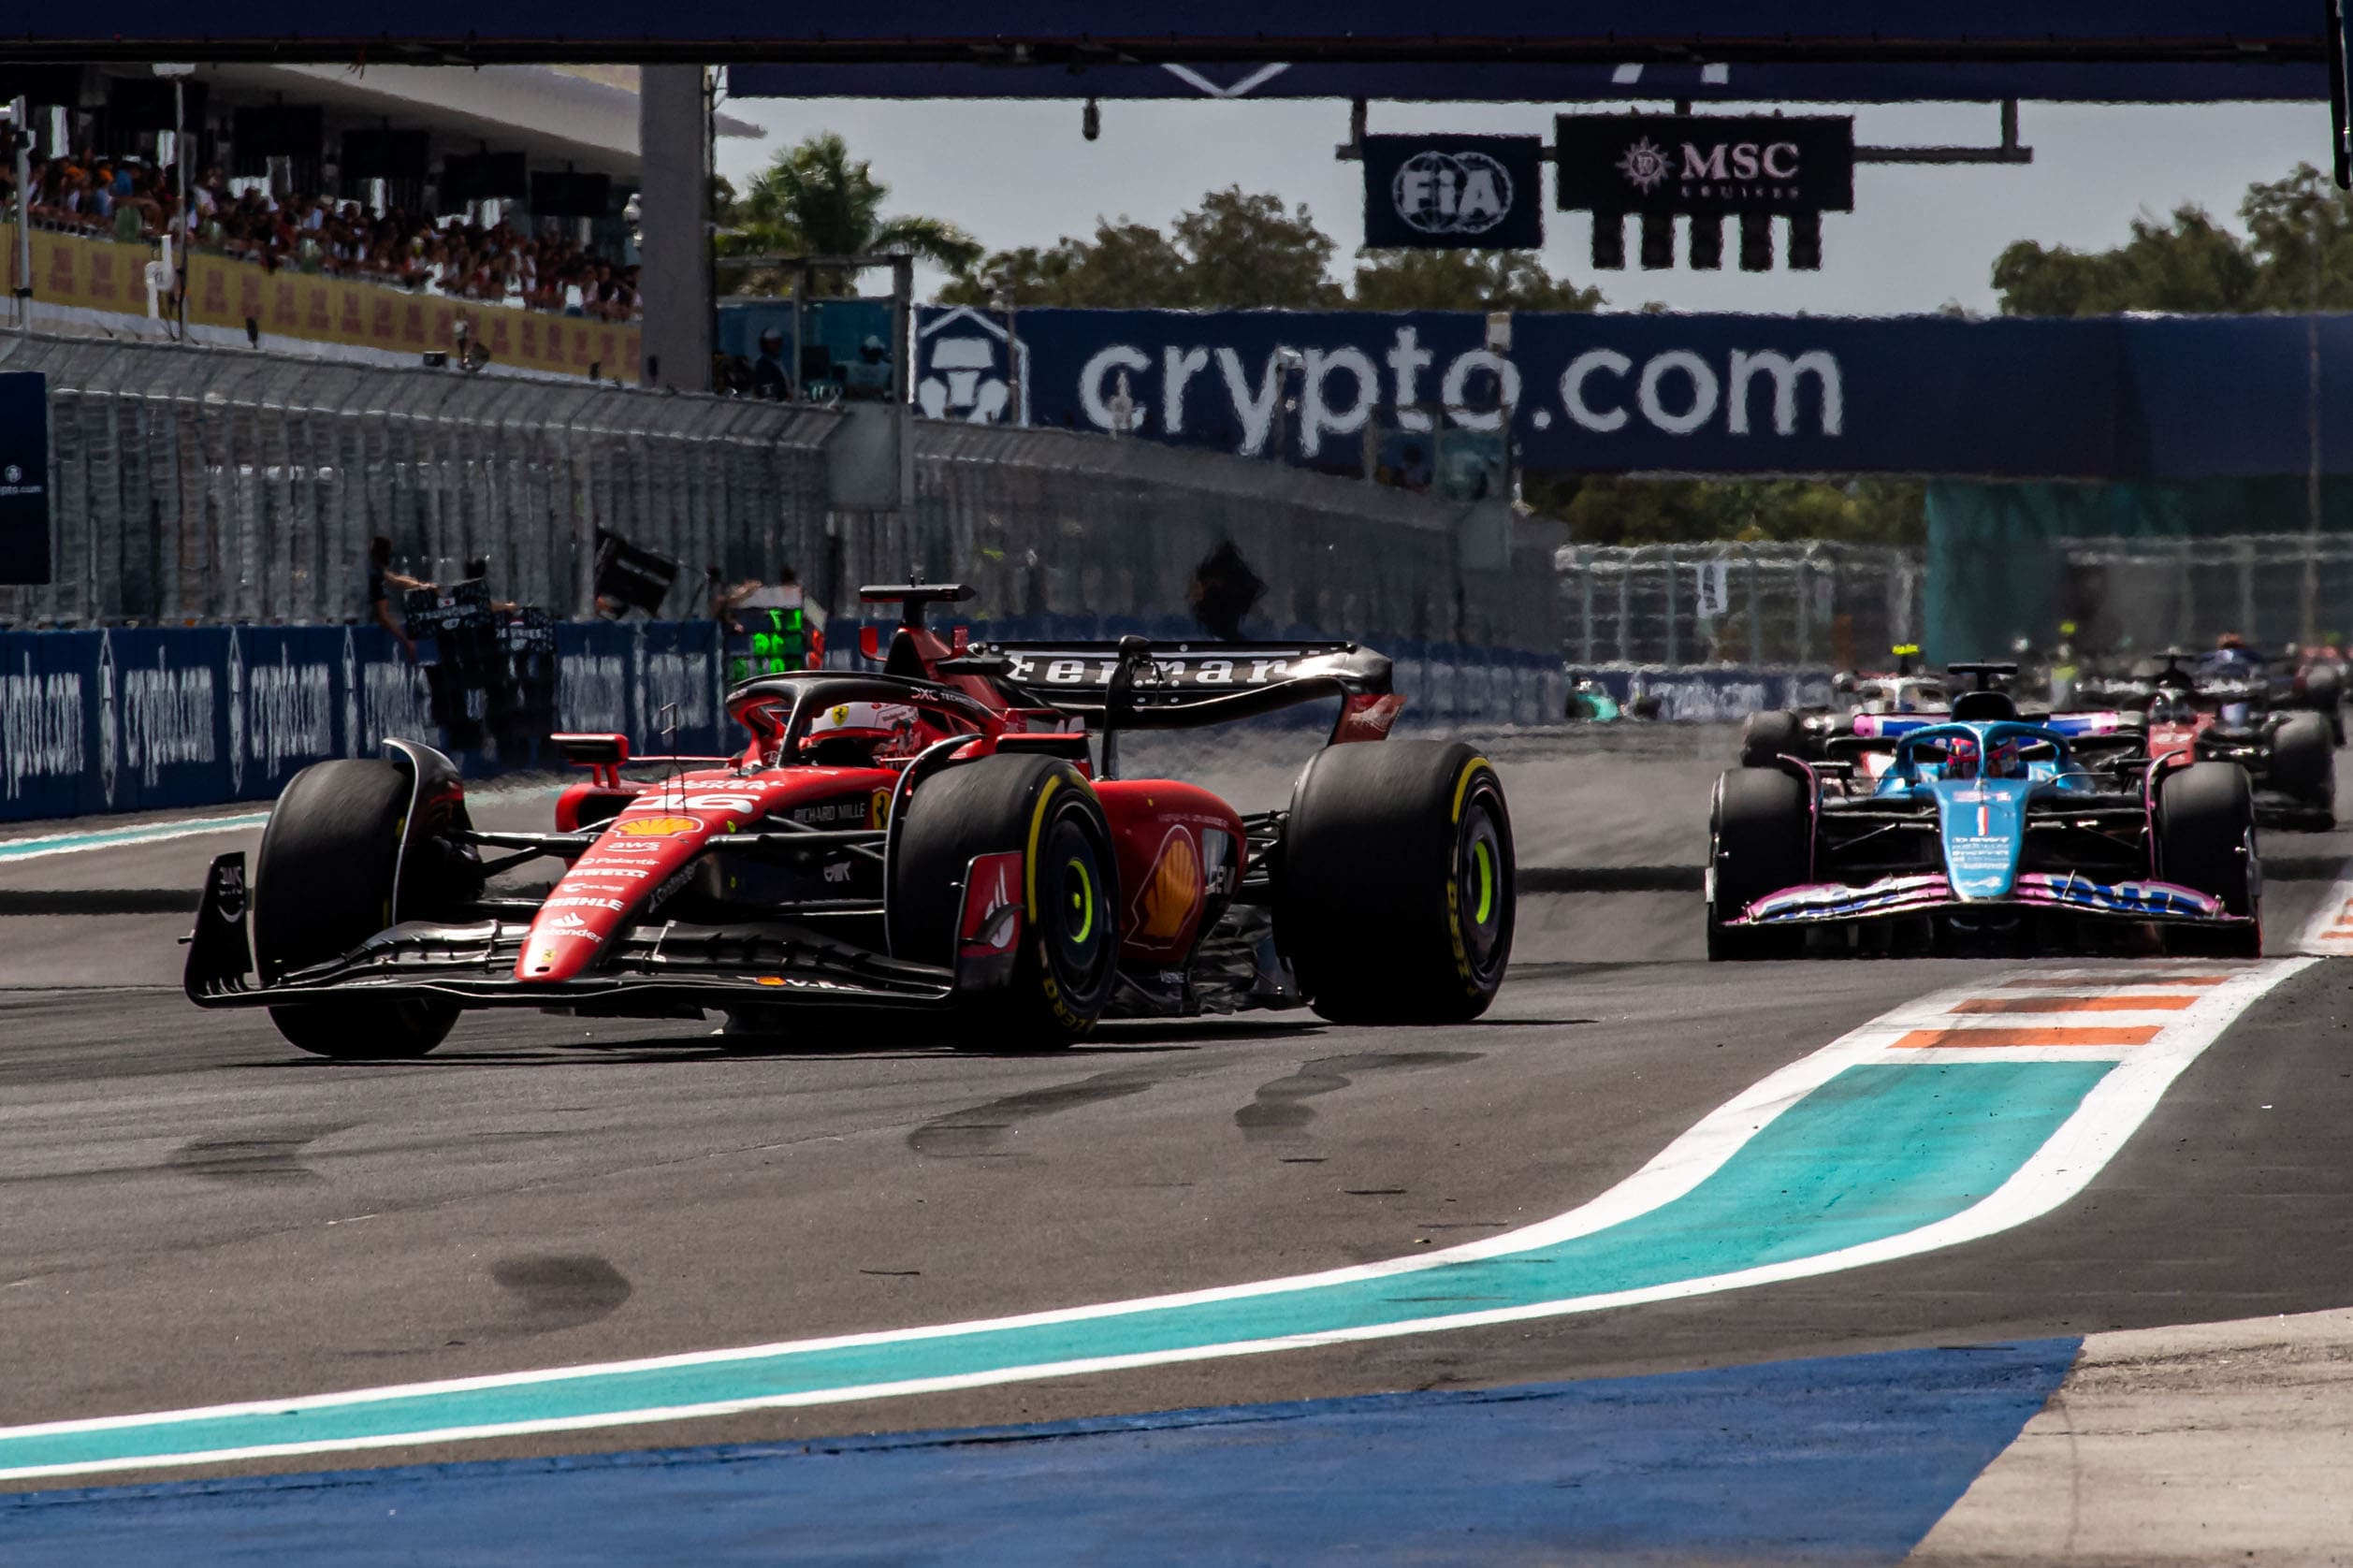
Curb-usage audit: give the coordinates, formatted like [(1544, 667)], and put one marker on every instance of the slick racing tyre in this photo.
[(1769, 735), (2324, 689), (2303, 762), (1394, 899), (2205, 838), (1760, 841), (1042, 808), (323, 885)]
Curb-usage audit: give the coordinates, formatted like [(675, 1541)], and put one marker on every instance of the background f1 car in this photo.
[(939, 834), (2280, 721), (1983, 831)]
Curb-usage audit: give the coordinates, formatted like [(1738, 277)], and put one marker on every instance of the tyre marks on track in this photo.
[(1279, 1113), (1937, 1124)]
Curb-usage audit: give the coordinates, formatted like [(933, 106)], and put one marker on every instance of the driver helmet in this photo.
[(2003, 759), (854, 734), (1961, 757), (2170, 707)]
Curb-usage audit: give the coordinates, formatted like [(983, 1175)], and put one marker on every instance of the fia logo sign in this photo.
[(1451, 193)]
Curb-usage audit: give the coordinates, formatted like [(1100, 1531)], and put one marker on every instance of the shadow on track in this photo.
[(868, 1039)]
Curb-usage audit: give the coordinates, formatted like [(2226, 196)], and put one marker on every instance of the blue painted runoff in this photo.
[(1846, 1460)]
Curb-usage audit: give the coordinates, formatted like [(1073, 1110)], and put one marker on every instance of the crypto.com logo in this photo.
[(961, 375)]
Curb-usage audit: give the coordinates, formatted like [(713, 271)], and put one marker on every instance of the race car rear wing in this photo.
[(1135, 684)]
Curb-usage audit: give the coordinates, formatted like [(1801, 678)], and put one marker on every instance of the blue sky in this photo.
[(1020, 173)]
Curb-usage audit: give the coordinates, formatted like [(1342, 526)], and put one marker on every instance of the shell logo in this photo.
[(1172, 891), (657, 827)]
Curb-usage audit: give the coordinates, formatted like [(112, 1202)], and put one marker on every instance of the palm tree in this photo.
[(815, 200)]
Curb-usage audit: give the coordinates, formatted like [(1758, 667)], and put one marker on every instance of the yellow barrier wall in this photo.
[(99, 274)]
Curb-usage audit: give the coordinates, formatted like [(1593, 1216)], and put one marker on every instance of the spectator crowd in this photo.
[(456, 257)]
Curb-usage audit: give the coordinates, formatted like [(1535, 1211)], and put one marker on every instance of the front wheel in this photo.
[(323, 884), (1395, 897), (1771, 734), (2206, 833), (1760, 841), (384, 1030)]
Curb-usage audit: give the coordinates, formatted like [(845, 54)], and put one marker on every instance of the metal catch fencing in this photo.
[(199, 488), (2147, 594), (1812, 604)]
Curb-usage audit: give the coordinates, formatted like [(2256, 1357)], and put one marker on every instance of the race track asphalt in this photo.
[(193, 1213)]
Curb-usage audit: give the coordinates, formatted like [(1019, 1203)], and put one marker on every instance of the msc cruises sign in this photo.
[(1706, 164)]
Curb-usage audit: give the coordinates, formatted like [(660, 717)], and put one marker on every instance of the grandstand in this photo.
[(372, 213)]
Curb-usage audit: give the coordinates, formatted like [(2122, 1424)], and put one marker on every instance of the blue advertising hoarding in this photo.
[(24, 552), (145, 719), (2094, 398)]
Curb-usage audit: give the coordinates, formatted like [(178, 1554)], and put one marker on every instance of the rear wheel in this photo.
[(2303, 762), (1396, 900), (323, 884), (2325, 691), (1775, 732), (1760, 841), (2206, 833), (1040, 808)]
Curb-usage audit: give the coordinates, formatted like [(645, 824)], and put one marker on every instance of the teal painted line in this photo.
[(147, 832), (1876, 1151)]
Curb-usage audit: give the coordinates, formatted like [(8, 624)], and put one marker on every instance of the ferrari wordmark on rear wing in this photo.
[(1135, 684)]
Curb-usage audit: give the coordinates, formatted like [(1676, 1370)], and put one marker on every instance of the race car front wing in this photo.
[(1914, 893), (684, 966)]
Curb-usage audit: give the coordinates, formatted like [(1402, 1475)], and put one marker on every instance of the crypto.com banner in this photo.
[(2101, 398)]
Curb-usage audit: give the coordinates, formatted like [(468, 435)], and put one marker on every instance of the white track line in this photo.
[(116, 838), (2106, 1119), (2330, 933)]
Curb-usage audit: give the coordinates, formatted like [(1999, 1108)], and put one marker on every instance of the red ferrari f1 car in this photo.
[(952, 832)]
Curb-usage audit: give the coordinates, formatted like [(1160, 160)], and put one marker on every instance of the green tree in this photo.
[(2301, 229), (1608, 509), (1248, 251), (1463, 280), (2191, 265), (814, 199), (1127, 265), (1235, 251), (2297, 256)]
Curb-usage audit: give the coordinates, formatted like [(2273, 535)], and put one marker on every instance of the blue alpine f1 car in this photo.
[(1983, 831)]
